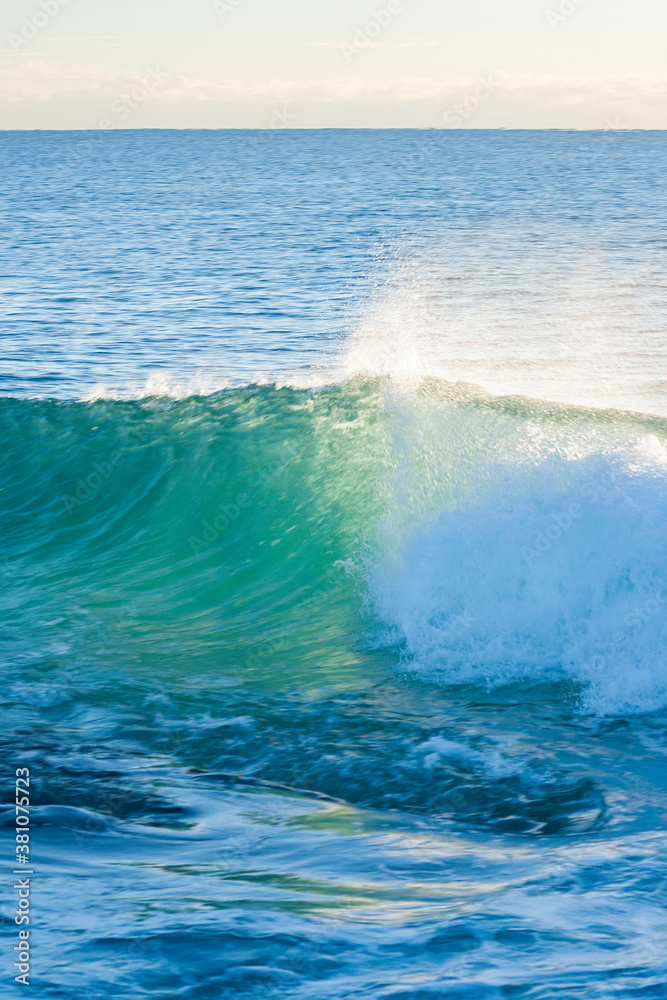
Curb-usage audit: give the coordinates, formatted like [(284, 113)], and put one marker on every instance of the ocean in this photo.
[(333, 493)]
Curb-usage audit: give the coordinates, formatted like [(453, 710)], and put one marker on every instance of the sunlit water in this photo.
[(333, 500)]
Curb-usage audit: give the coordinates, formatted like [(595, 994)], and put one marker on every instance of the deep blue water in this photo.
[(333, 494)]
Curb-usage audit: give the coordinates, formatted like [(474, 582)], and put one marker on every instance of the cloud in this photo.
[(41, 78), (81, 38), (407, 43), (518, 101)]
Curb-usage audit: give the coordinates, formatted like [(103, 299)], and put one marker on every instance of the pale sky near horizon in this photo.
[(353, 63)]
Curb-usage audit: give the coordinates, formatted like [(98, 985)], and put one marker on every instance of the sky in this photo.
[(85, 64)]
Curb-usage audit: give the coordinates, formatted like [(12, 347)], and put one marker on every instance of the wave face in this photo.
[(345, 672), (204, 524), (491, 541)]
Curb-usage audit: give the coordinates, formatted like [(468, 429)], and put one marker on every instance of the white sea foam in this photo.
[(574, 328), (162, 385), (492, 761), (519, 547)]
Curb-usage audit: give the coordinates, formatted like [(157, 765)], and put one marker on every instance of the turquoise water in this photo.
[(333, 492)]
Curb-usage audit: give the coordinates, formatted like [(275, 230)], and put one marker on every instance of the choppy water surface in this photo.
[(333, 618)]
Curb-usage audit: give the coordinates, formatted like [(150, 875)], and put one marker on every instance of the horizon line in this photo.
[(339, 128)]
